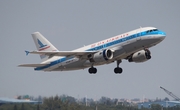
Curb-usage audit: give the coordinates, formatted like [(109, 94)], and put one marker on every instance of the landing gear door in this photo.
[(138, 34)]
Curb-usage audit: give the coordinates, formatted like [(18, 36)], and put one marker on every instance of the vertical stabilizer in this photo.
[(42, 44)]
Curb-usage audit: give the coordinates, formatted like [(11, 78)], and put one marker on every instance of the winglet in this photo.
[(27, 52)]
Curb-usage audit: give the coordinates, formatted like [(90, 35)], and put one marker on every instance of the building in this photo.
[(162, 103), (13, 101)]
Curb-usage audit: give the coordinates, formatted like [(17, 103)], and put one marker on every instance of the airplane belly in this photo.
[(119, 51), (70, 64), (132, 46), (75, 65)]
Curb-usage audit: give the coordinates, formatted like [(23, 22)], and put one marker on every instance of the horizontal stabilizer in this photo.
[(27, 52), (32, 65)]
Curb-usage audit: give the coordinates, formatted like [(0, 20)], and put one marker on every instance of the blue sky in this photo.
[(72, 24)]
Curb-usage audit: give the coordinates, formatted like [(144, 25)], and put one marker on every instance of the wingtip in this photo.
[(18, 65)]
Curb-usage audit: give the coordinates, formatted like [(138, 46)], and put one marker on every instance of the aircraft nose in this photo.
[(162, 35)]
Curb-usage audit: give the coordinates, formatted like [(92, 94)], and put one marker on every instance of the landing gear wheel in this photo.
[(92, 70), (148, 57), (118, 70)]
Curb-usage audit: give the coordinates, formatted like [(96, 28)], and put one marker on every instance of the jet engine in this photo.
[(140, 56), (104, 55)]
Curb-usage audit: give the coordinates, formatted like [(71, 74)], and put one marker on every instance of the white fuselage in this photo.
[(122, 45)]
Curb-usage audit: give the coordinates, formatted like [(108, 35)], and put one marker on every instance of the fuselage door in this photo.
[(138, 34)]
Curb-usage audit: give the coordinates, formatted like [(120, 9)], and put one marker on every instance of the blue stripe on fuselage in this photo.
[(125, 39), (53, 63), (104, 46)]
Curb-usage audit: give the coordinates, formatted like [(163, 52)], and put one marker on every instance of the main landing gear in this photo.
[(117, 70), (92, 70)]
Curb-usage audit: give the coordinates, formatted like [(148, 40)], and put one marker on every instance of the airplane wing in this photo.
[(55, 53), (32, 65), (61, 53)]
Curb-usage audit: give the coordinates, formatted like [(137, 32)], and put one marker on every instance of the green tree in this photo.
[(15, 107), (38, 107), (166, 99), (22, 107), (156, 107)]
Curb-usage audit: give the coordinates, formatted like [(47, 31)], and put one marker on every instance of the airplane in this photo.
[(132, 46)]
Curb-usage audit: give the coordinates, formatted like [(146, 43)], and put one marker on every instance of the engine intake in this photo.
[(104, 55), (140, 56)]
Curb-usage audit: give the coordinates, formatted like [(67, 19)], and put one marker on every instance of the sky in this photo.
[(71, 24)]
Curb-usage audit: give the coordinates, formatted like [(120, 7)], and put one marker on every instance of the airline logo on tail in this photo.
[(42, 46)]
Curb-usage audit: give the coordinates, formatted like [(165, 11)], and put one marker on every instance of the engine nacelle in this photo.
[(102, 56), (140, 56)]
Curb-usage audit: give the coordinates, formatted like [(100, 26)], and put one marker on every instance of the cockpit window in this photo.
[(151, 30), (155, 29)]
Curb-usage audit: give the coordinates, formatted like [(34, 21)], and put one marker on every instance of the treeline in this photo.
[(70, 103)]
